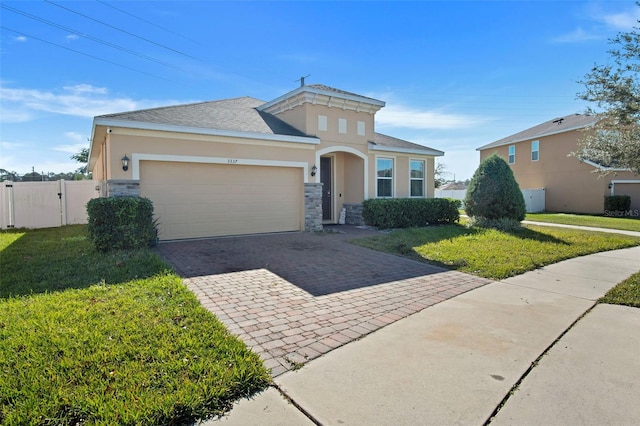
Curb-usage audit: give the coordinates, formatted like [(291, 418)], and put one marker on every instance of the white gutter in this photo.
[(426, 151), (203, 131)]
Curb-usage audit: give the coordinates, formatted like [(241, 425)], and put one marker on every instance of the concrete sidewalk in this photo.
[(455, 362)]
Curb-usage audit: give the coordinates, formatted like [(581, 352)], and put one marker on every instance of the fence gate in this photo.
[(45, 204)]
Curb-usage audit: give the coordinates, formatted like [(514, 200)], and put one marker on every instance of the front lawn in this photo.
[(109, 339), (626, 224), (625, 293), (494, 254)]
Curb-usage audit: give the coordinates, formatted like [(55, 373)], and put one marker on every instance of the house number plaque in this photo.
[(232, 161)]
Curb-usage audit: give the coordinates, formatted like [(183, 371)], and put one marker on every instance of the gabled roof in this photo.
[(246, 115), (551, 127), (237, 114), (388, 143)]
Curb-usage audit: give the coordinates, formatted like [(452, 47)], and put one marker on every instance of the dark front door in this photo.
[(325, 178)]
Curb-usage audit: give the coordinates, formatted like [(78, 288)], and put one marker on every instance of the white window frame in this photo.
[(322, 123), (393, 166), (342, 126), (361, 128), (423, 178), (512, 155), (536, 151)]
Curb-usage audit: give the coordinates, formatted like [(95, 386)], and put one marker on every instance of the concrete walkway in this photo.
[(456, 362)]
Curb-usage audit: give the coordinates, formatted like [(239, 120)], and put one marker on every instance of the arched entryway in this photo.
[(343, 173)]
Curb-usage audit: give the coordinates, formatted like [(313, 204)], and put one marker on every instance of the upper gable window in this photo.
[(342, 125), (361, 128), (535, 150), (322, 123), (512, 154)]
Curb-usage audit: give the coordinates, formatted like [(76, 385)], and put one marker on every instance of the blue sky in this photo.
[(455, 75)]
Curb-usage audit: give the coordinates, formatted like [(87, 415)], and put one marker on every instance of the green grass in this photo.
[(626, 224), (625, 293), (109, 339), (494, 254)]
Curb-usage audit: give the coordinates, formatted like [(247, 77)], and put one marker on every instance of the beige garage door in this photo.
[(193, 200)]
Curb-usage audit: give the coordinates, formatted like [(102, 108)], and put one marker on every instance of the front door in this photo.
[(325, 178)]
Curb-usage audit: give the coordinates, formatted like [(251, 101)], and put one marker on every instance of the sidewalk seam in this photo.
[(298, 406), (533, 365)]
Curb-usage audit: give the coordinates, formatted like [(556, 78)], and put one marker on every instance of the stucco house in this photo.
[(539, 157), (244, 166)]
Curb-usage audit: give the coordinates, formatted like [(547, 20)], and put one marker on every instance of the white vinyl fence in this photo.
[(45, 204), (533, 198)]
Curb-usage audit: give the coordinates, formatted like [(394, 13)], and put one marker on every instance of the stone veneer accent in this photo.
[(123, 188), (313, 207), (354, 214)]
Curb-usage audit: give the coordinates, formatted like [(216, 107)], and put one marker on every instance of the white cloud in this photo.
[(71, 149), (21, 39), (72, 37), (75, 136), (576, 36), (402, 116), (82, 100), (621, 21)]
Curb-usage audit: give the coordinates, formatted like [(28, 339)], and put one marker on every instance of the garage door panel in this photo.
[(200, 200)]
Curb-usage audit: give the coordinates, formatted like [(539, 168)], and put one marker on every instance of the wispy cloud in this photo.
[(71, 149), (576, 36), (20, 39), (621, 21), (82, 100), (75, 136), (72, 37), (407, 117)]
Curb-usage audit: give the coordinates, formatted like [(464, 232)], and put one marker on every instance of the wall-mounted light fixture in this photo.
[(610, 185), (125, 163), (314, 170)]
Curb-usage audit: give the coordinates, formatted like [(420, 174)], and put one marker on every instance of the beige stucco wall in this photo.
[(569, 184), (305, 119)]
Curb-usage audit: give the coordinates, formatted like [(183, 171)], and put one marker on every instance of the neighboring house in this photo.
[(539, 158), (244, 166)]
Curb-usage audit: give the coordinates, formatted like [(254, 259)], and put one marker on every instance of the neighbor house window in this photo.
[(535, 150), (322, 123), (342, 125), (360, 128), (512, 154), (384, 176), (416, 178)]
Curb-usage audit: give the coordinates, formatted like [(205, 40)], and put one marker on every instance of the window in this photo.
[(512, 154), (322, 123), (384, 177), (416, 178), (360, 128), (535, 150), (342, 125)]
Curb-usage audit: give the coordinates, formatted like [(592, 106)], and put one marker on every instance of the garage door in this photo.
[(193, 200)]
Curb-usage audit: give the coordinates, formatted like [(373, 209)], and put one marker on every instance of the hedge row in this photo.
[(117, 223), (617, 202), (410, 212)]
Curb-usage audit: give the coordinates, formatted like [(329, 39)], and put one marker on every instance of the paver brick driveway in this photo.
[(293, 297)]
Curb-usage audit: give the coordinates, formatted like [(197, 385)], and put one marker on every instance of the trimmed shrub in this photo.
[(117, 223), (493, 192), (617, 203), (409, 212), (504, 224)]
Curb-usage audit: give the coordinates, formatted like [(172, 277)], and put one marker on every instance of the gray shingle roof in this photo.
[(241, 115), (237, 114), (391, 142), (551, 127)]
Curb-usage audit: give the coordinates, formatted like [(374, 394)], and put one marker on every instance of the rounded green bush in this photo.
[(493, 192)]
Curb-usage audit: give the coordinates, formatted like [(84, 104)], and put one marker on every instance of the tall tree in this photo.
[(614, 141), (82, 157)]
